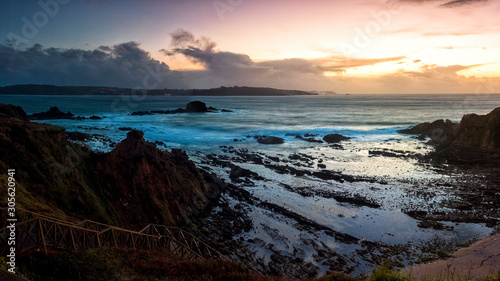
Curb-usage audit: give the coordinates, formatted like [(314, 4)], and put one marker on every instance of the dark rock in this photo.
[(52, 113), (159, 143), (78, 136), (226, 110), (309, 139), (12, 112), (270, 140), (334, 138), (80, 118), (196, 106), (474, 131), (238, 172), (438, 131), (94, 117), (482, 131), (322, 166), (125, 129)]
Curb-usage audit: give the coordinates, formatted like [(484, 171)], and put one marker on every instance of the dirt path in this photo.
[(472, 263)]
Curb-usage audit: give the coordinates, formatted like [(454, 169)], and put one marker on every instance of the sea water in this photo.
[(371, 121)]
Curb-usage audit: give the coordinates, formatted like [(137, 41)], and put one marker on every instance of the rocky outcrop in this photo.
[(474, 132), (8, 111), (52, 113), (149, 184), (196, 106), (439, 131), (270, 140), (481, 131), (192, 107), (133, 185), (335, 138)]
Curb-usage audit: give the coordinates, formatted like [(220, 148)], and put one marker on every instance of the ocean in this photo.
[(390, 178)]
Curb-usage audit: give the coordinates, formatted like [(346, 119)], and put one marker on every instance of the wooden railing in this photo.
[(36, 232)]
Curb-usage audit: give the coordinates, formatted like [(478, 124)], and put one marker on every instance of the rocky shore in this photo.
[(241, 199), (133, 185)]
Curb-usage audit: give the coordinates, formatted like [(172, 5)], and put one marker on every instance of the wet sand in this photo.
[(475, 262)]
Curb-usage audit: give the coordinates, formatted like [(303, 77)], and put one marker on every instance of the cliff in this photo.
[(133, 185), (481, 131)]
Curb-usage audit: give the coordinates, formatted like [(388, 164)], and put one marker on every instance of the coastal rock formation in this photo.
[(133, 185), (191, 107), (481, 131), (12, 112), (52, 113), (270, 140), (149, 184), (335, 138), (439, 131), (196, 106), (474, 131)]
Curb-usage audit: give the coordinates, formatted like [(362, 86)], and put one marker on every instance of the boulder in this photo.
[(335, 138), (270, 140), (196, 106)]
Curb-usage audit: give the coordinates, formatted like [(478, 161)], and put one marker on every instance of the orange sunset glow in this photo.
[(365, 46)]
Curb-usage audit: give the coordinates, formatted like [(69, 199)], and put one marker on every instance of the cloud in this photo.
[(128, 65), (122, 65), (458, 3), (435, 72), (447, 4), (229, 67)]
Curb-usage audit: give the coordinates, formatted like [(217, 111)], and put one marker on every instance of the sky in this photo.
[(355, 46)]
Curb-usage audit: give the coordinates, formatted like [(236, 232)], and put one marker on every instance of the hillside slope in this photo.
[(132, 186)]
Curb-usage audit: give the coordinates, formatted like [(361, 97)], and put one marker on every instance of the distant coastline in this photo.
[(34, 89)]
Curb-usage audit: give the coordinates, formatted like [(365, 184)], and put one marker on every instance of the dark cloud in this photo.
[(122, 65), (458, 3), (447, 4)]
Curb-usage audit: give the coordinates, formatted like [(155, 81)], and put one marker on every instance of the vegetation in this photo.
[(127, 264)]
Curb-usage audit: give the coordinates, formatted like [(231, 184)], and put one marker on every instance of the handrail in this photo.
[(38, 232)]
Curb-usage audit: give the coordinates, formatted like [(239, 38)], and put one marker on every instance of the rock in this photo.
[(226, 110), (52, 113), (270, 140), (125, 129), (12, 112), (238, 172), (335, 138), (309, 139), (482, 131), (474, 131), (94, 117), (78, 136), (438, 131), (192, 107), (160, 187), (196, 106)]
